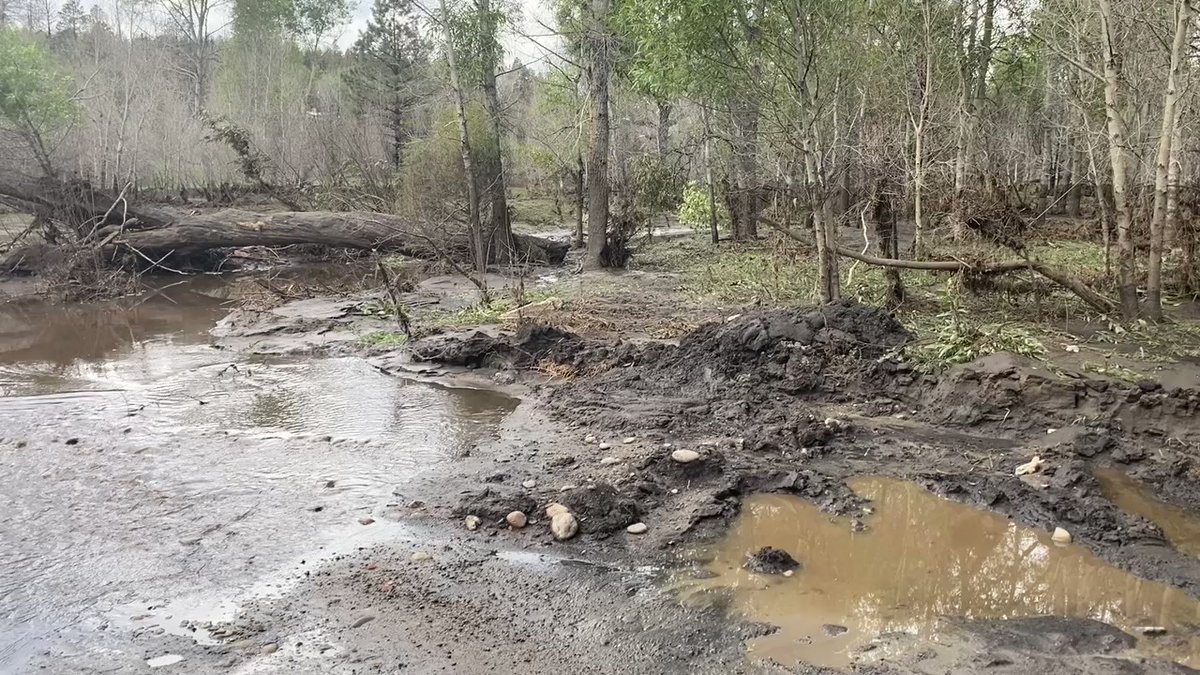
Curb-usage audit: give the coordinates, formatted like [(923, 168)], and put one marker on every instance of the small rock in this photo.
[(330, 483), (72, 441), (609, 461), (164, 660), (637, 528), (568, 488), (629, 439), (564, 526), (270, 648), (1060, 536), (516, 520), (1151, 630), (529, 484), (421, 556), (472, 522), (416, 504), (366, 520), (834, 630), (589, 439), (554, 508), (685, 456), (604, 446), (363, 620)]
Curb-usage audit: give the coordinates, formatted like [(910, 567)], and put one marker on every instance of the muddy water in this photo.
[(147, 479), (921, 560), (1181, 528)]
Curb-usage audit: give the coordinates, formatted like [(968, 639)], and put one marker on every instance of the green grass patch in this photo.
[(538, 212), (481, 314), (383, 339)]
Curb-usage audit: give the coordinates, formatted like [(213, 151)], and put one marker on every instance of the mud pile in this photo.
[(746, 376)]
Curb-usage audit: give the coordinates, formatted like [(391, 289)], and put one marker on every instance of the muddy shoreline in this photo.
[(595, 430), (610, 414)]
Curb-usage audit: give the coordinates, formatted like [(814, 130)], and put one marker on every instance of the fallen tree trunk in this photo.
[(232, 228), (1080, 289), (109, 223)]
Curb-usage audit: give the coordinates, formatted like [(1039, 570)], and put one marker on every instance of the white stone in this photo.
[(685, 456), (1060, 536), (421, 556), (564, 526), (516, 520), (609, 461), (637, 528), (629, 439), (604, 446), (554, 508), (529, 484), (472, 522)]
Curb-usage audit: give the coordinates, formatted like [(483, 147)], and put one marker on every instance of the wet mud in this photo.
[(255, 508)]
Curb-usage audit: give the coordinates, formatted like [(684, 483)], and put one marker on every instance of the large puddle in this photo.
[(1181, 528), (922, 559), (140, 467)]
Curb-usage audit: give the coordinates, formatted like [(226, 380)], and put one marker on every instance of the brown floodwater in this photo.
[(922, 559), (1181, 528), (142, 468)]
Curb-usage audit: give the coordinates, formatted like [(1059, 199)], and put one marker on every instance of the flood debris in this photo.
[(770, 560), (1033, 466)]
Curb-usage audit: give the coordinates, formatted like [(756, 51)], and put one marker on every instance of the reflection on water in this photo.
[(49, 347), (194, 468), (922, 559), (1182, 528)]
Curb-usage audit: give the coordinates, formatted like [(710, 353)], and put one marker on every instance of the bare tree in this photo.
[(196, 24)]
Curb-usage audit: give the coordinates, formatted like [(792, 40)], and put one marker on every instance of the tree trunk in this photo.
[(664, 129), (1074, 179), (1122, 160), (883, 216), (1170, 129), (713, 225), (598, 188), (498, 235), (828, 283), (579, 199), (919, 127), (464, 138)]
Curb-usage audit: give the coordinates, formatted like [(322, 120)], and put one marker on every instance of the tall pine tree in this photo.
[(392, 60)]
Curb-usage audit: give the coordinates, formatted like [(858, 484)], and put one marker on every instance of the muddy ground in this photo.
[(790, 401)]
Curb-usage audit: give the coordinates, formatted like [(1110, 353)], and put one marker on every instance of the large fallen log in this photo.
[(232, 228), (93, 219)]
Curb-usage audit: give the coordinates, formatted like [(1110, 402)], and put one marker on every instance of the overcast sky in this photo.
[(515, 45)]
